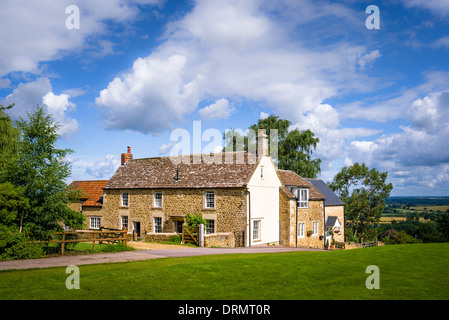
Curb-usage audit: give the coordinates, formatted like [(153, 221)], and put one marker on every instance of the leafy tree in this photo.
[(13, 205), (40, 171), (9, 139), (295, 147), (364, 192), (443, 226)]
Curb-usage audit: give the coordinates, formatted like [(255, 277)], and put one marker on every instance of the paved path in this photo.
[(64, 261)]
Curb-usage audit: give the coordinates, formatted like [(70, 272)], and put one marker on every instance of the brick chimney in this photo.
[(127, 156), (262, 143)]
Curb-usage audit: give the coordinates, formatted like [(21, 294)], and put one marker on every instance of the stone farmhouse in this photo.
[(244, 198)]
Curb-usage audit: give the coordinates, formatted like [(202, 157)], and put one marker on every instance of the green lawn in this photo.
[(417, 271)]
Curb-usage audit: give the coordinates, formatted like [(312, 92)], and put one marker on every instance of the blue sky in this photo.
[(136, 70)]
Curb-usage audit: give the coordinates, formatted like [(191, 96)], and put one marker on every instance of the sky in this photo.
[(372, 84)]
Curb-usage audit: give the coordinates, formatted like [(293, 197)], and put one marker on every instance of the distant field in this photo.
[(390, 219), (428, 208)]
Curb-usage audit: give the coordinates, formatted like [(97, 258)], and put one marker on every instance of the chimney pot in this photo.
[(127, 156)]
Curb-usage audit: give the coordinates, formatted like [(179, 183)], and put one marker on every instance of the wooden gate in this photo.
[(190, 234)]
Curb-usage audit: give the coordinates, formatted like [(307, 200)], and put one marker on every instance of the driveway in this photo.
[(137, 255)]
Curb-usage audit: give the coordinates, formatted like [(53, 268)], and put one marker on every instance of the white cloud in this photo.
[(37, 29), (264, 115), (368, 59), (103, 168), (232, 49), (440, 7), (151, 97), (27, 96), (58, 106), (220, 109)]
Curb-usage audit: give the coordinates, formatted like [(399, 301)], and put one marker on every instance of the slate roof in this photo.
[(290, 178), (161, 172), (331, 221), (93, 190), (330, 198)]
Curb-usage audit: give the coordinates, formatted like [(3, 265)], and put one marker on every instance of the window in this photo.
[(210, 226), (124, 221), (158, 199), (301, 227), (210, 199), (261, 172), (256, 230), (303, 198), (95, 222), (125, 201), (315, 228), (158, 225)]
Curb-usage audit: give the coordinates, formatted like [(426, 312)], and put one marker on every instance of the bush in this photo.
[(174, 239), (14, 246), (194, 220)]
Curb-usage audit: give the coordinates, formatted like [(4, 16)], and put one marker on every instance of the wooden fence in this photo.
[(108, 236)]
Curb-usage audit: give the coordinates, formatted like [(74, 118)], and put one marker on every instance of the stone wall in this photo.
[(229, 212), (314, 213), (221, 240)]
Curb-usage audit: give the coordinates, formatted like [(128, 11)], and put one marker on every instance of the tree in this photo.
[(40, 170), (364, 192), (295, 147), (9, 140)]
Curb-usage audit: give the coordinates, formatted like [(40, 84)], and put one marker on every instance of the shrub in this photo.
[(15, 246), (174, 239), (194, 220)]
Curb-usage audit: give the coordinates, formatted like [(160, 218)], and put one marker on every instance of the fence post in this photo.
[(125, 235), (201, 235), (63, 244), (94, 241)]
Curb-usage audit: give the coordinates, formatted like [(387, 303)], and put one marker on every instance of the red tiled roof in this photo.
[(92, 189)]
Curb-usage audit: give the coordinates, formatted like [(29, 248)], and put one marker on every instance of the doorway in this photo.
[(136, 229)]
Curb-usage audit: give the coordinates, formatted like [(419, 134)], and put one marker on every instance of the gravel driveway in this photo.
[(157, 251)]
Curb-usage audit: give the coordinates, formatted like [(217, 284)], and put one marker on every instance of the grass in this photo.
[(415, 271)]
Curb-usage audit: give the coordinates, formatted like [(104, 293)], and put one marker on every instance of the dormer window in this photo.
[(303, 198)]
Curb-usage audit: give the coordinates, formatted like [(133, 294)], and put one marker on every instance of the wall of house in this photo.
[(264, 203), (229, 212), (314, 213), (338, 211), (287, 211)]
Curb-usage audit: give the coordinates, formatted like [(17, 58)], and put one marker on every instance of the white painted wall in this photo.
[(264, 193)]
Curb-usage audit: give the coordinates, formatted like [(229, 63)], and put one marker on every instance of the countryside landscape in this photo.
[(191, 155)]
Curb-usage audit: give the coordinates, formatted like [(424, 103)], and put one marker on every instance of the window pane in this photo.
[(124, 199), (124, 222), (158, 225), (256, 230), (158, 199), (210, 203), (210, 226)]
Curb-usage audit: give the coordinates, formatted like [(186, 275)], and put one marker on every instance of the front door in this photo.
[(136, 228)]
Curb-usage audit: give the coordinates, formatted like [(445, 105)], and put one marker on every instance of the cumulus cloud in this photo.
[(220, 109), (151, 97), (234, 49), (27, 96), (37, 29), (104, 167)]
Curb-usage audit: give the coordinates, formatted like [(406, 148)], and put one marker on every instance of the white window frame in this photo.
[(156, 226), (156, 200), (208, 200), (123, 224), (122, 198), (95, 222), (301, 229), (209, 228), (315, 228), (256, 232), (303, 197)]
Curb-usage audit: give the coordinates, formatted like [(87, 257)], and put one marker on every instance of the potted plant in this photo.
[(333, 243), (309, 233), (327, 244)]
